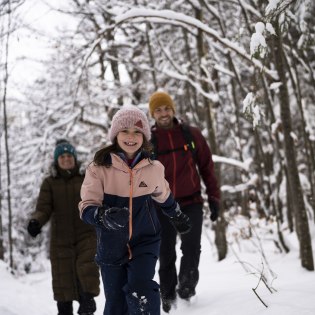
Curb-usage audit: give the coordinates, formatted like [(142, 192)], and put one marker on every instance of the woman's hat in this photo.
[(62, 147)]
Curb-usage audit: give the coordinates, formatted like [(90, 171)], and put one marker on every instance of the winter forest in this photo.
[(241, 70)]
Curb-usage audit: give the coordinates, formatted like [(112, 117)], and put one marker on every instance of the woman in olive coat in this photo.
[(75, 275)]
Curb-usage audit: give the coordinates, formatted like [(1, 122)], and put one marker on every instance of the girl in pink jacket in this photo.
[(121, 193)]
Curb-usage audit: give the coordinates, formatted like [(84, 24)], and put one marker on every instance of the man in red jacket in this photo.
[(184, 164)]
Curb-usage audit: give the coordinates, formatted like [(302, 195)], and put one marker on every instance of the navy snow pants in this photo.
[(130, 288)]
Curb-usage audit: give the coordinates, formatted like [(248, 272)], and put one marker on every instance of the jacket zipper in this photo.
[(130, 210), (174, 168)]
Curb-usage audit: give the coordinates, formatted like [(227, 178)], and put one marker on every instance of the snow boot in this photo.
[(186, 293), (87, 304), (64, 308), (168, 304)]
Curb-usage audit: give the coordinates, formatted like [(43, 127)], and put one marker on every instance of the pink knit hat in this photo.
[(129, 117)]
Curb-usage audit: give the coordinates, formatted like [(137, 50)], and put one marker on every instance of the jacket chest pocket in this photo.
[(151, 216)]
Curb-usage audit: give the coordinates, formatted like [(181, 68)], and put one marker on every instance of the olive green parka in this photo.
[(72, 242)]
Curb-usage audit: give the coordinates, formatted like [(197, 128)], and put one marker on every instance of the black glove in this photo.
[(181, 223), (214, 209), (33, 228), (113, 218)]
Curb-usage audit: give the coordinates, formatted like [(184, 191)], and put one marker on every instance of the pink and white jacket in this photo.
[(139, 189)]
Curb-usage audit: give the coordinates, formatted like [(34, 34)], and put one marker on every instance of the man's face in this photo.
[(163, 116)]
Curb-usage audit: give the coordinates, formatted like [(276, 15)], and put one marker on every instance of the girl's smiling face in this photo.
[(130, 141)]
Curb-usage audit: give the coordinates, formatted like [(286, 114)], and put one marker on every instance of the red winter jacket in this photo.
[(180, 167)]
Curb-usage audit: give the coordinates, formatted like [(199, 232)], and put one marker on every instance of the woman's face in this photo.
[(130, 141), (66, 161)]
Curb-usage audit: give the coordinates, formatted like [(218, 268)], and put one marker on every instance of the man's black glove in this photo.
[(112, 218), (181, 222), (33, 228), (214, 209)]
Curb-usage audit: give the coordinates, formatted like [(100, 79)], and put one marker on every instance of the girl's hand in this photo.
[(113, 218)]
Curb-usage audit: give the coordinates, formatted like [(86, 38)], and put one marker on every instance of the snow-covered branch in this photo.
[(172, 17)]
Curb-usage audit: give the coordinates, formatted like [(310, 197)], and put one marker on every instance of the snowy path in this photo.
[(224, 289)]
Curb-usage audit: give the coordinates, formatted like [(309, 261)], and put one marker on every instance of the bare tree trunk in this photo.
[(1, 227), (276, 199), (190, 93), (151, 56), (307, 143), (290, 209), (220, 225), (6, 136), (301, 220)]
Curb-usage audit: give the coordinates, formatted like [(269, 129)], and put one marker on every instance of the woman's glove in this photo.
[(33, 228), (112, 218)]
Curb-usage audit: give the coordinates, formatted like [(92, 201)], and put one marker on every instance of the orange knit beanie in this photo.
[(159, 99)]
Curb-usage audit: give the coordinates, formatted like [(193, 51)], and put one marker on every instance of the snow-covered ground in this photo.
[(225, 288)]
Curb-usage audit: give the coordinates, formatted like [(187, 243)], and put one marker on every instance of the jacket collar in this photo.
[(137, 158), (56, 171), (119, 161)]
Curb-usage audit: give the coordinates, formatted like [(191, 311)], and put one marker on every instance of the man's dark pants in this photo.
[(190, 246)]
